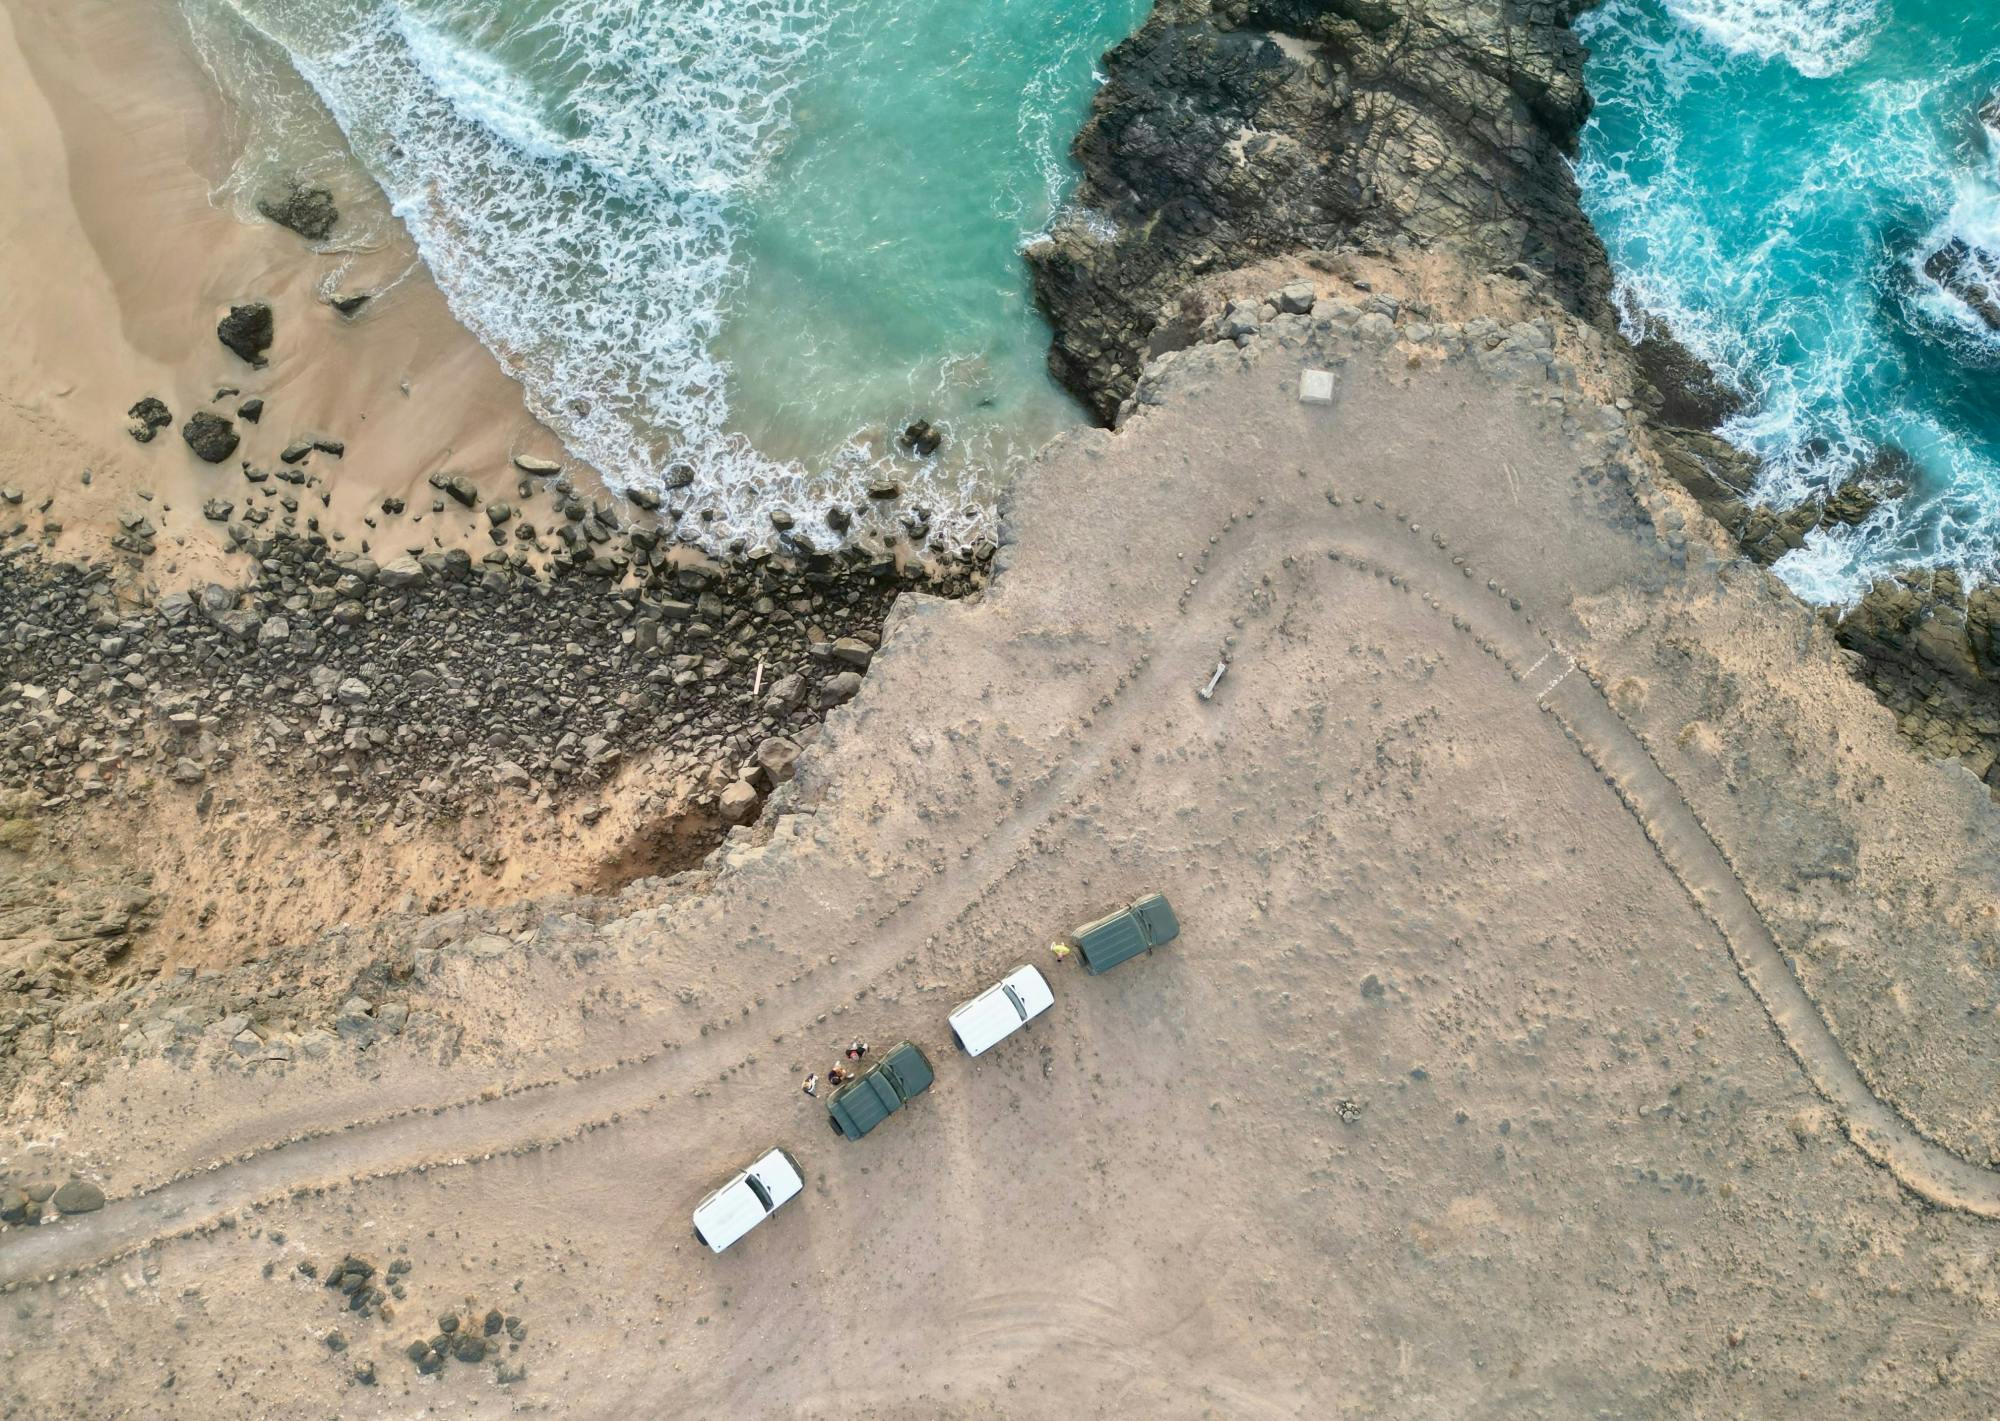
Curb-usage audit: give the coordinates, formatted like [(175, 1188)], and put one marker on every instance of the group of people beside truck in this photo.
[(864, 1097)]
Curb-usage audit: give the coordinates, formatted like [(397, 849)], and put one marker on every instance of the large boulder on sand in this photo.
[(210, 436), (309, 211), (247, 331)]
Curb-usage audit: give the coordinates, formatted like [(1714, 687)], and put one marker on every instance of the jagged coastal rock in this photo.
[(1963, 270), (309, 211), (149, 416), (247, 330), (1228, 133), (212, 437)]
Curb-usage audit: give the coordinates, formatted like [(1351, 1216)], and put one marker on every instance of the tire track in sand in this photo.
[(1566, 689), (477, 1130)]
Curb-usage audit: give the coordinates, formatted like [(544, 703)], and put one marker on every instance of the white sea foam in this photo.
[(1815, 37), (1809, 331), (573, 175)]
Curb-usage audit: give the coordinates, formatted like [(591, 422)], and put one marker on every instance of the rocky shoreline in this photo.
[(1229, 134), (347, 694)]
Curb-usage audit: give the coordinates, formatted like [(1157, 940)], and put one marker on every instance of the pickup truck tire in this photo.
[(699, 1239)]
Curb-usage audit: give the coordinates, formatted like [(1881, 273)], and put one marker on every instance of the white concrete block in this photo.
[(1315, 387)]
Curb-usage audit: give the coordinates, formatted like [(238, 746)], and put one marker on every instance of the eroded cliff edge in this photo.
[(1230, 133)]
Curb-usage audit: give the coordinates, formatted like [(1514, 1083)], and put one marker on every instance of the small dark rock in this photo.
[(149, 417), (922, 438), (250, 411)]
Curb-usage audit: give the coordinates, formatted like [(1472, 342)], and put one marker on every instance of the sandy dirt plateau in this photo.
[(1580, 1008)]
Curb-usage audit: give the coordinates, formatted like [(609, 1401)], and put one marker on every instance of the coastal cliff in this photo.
[(1228, 133), (1232, 132)]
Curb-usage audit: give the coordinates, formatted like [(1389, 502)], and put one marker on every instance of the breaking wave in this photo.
[(1773, 182)]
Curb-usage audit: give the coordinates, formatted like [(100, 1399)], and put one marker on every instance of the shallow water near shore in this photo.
[(1771, 177), (742, 240)]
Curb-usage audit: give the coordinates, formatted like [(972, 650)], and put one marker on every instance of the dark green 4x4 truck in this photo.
[(899, 1077), (1126, 933)]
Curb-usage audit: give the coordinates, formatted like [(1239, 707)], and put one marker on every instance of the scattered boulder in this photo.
[(347, 305), (212, 437), (738, 803), (840, 689), (531, 464), (78, 1197), (15, 1205), (779, 757), (149, 417), (309, 211), (250, 411), (247, 330), (405, 571), (922, 438)]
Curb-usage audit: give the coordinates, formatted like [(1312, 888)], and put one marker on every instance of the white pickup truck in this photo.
[(747, 1200), (1001, 1010)]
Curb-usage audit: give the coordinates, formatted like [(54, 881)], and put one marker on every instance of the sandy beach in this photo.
[(117, 141), (1583, 997)]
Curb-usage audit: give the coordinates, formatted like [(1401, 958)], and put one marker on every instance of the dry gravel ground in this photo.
[(1452, 1100)]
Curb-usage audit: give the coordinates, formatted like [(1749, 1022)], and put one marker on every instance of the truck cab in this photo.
[(861, 1104)]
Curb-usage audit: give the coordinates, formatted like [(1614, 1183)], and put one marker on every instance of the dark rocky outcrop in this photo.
[(1230, 132), (309, 211), (922, 438), (149, 417), (1966, 272), (211, 436), (247, 330), (1685, 393)]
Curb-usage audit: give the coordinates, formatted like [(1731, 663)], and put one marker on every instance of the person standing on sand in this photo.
[(812, 1085), (857, 1050), (836, 1076)]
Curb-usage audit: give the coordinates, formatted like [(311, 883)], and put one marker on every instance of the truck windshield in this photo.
[(757, 1188), (1015, 997)]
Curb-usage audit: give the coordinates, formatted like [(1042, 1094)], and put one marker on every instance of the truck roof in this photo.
[(745, 1201), (1126, 933), (1001, 1010), (880, 1091)]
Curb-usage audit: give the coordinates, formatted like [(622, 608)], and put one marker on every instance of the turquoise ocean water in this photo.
[(1770, 177), (753, 236)]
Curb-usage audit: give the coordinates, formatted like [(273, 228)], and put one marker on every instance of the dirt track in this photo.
[(1451, 1100)]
